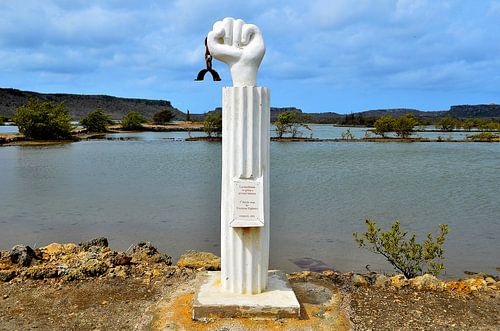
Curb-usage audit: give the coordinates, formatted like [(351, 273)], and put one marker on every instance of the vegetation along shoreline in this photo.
[(47, 122)]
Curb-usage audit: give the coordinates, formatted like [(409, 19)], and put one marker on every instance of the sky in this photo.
[(321, 55)]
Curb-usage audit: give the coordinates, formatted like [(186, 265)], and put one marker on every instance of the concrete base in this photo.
[(277, 301)]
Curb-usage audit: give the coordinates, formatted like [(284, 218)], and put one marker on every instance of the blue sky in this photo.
[(322, 55)]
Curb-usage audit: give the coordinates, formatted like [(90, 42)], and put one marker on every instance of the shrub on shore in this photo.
[(447, 123), (383, 125), (40, 119), (132, 121), (163, 116), (483, 136), (213, 123), (96, 121), (403, 126), (406, 255), (290, 121)]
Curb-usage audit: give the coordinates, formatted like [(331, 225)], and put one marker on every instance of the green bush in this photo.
[(467, 124), (213, 123), (132, 121), (96, 121), (290, 121), (40, 119), (403, 126), (483, 136), (447, 123), (3, 119), (383, 125), (406, 255), (163, 116)]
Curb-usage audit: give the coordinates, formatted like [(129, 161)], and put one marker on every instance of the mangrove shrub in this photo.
[(290, 121), (447, 123), (213, 123), (403, 126), (163, 116), (96, 121), (383, 125), (405, 254), (40, 119), (133, 121)]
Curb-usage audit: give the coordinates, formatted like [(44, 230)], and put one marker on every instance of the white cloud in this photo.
[(134, 45)]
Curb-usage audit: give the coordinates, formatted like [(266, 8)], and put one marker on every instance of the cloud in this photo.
[(138, 48)]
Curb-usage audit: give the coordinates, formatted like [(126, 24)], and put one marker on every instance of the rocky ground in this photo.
[(91, 287)]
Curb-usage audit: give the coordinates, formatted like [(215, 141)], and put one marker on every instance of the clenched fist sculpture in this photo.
[(240, 46)]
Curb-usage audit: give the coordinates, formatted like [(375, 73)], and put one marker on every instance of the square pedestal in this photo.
[(277, 301)]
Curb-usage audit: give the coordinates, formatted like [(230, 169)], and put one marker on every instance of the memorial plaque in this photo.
[(247, 206)]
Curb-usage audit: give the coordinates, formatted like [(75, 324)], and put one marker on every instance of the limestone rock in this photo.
[(399, 281), (146, 252), (22, 255), (119, 271), (56, 248), (120, 258), (7, 275), (6, 264), (93, 267), (490, 280), (475, 283), (198, 260), (99, 242), (358, 280), (74, 274), (62, 269), (382, 281), (427, 281), (40, 272)]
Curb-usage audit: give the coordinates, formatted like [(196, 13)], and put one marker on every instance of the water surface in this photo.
[(159, 188)]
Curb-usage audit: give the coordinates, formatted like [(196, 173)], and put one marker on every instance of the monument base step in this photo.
[(277, 301)]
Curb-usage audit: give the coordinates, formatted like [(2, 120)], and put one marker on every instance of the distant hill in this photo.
[(398, 112), (80, 105), (368, 117), (275, 111), (462, 111), (466, 111)]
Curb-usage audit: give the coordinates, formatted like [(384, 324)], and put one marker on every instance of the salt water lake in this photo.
[(156, 187)]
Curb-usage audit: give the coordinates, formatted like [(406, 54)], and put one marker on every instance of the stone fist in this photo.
[(240, 46)]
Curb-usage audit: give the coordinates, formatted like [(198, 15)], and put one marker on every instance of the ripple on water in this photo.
[(168, 192)]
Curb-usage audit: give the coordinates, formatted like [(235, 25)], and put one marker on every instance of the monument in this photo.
[(244, 286)]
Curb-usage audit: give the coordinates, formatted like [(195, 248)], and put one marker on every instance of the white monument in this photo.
[(244, 287), (245, 158)]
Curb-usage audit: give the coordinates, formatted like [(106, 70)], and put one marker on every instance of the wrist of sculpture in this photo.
[(243, 75)]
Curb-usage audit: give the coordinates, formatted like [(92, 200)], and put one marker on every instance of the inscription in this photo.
[(247, 203)]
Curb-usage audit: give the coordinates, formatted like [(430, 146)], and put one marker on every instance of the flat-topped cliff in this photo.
[(80, 105)]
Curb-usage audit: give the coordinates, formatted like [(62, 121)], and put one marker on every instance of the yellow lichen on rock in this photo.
[(199, 260)]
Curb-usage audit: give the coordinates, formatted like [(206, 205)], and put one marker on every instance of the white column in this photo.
[(245, 189)]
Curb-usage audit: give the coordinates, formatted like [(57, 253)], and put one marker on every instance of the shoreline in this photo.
[(377, 140), (89, 285), (15, 264), (17, 139)]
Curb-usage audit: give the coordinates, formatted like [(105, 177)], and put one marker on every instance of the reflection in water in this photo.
[(166, 191), (307, 263)]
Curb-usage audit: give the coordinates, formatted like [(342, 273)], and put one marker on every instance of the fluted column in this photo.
[(245, 189)]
